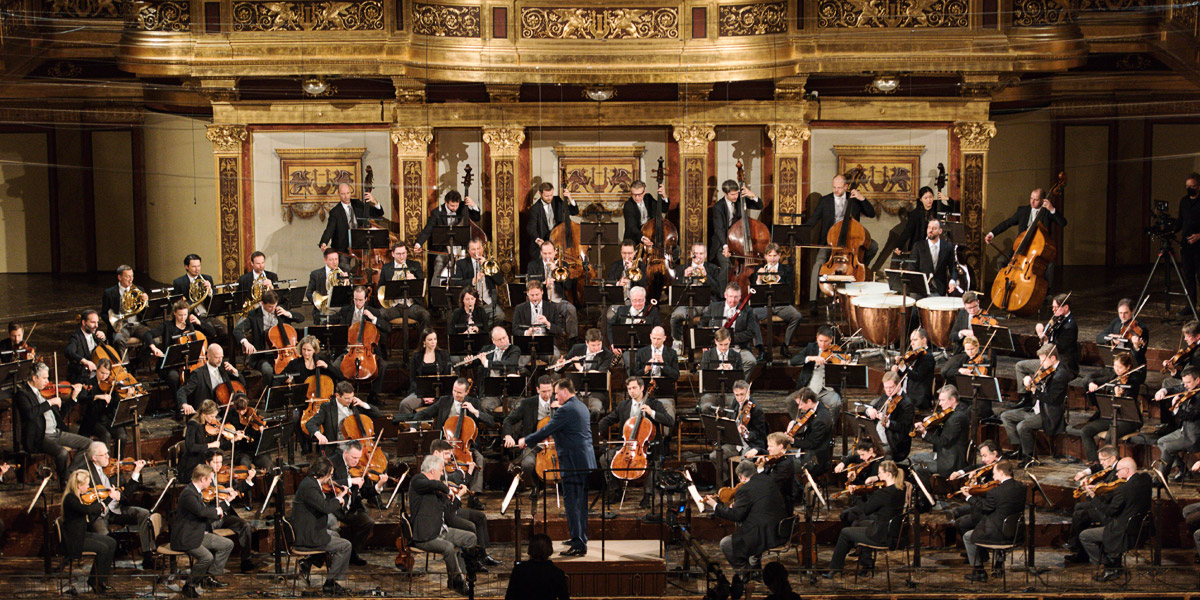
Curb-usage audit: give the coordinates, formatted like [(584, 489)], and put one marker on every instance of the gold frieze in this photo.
[(578, 23), (752, 19), (886, 175), (445, 21), (360, 15)]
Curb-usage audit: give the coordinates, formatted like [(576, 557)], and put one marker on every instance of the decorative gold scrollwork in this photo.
[(362, 15), (446, 21), (833, 14), (752, 19), (169, 16), (1029, 13), (599, 23)]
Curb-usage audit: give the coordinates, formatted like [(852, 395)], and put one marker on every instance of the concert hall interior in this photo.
[(627, 298)]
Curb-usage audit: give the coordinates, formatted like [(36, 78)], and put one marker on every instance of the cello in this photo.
[(664, 234), (629, 463), (459, 430), (359, 362), (747, 239), (320, 390), (572, 253), (546, 463), (1020, 287), (282, 337), (850, 241)]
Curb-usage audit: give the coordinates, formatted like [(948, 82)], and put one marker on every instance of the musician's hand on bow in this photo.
[(872, 413), (956, 475), (1028, 382), (838, 468), (1092, 386), (1160, 394), (1041, 330), (751, 453), (725, 251), (509, 442), (155, 352), (248, 347), (321, 437), (647, 241), (710, 501), (188, 410), (1079, 475), (1196, 466), (987, 239), (521, 443), (230, 368)]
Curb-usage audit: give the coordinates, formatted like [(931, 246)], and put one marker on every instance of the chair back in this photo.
[(174, 451), (406, 527), (788, 527), (289, 535), (1014, 525), (1145, 529), (58, 535), (157, 525)]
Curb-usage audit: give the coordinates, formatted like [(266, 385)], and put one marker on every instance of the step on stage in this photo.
[(624, 568)]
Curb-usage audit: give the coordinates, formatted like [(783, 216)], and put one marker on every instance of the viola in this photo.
[(933, 420), (1182, 398), (1021, 286), (855, 489), (61, 389), (798, 425), (459, 430), (1091, 480), (835, 356), (976, 365), (251, 419), (282, 337), (725, 495), (858, 467), (985, 319), (629, 463), (210, 494), (96, 493), (227, 431), (910, 356), (1171, 365), (747, 239), (1042, 375), (744, 413), (359, 362), (126, 465)]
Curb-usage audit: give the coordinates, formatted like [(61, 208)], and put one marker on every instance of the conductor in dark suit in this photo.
[(1039, 211), (1000, 508), (757, 508), (652, 410), (641, 207), (1123, 510), (311, 509), (544, 215), (949, 439), (831, 208), (572, 433), (453, 211), (935, 258), (723, 214), (349, 213), (455, 405), (191, 532)]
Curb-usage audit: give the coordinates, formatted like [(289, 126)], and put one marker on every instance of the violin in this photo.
[(910, 356), (857, 468), (798, 425), (1041, 376), (1171, 365), (96, 493), (359, 362), (126, 384), (227, 431), (747, 239), (977, 489), (665, 236), (282, 337), (1104, 488), (835, 356), (251, 419), (933, 420), (892, 402), (765, 460), (1182, 397), (855, 489), (976, 365), (126, 465), (744, 413), (226, 494), (985, 319), (725, 495), (629, 463), (1091, 480), (974, 480), (1020, 287), (460, 430), (62, 389)]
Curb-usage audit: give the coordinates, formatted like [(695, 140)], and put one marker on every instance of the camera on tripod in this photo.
[(1163, 225)]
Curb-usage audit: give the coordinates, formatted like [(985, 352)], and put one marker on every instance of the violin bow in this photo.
[(1118, 377), (1124, 329)]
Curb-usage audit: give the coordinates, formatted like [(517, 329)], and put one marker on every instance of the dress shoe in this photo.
[(458, 585), (1179, 477), (574, 552), (305, 567), (533, 495), (1078, 558), (489, 561), (785, 352), (148, 561), (473, 502), (1163, 429), (249, 565), (99, 587), (189, 591), (830, 574), (212, 582), (357, 560), (1108, 575), (992, 420), (333, 588), (977, 575)]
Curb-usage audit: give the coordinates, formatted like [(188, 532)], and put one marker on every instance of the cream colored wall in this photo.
[(1175, 145), (291, 248), (181, 196), (457, 148), (112, 182), (1085, 200), (734, 144), (69, 177), (1019, 160), (24, 203), (1130, 144)]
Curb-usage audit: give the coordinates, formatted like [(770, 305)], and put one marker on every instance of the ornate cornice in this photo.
[(504, 141), (227, 139), (693, 139), (409, 90), (412, 141), (788, 138), (975, 136)]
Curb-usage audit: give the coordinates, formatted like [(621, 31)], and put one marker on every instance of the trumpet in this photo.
[(700, 279), (769, 278)]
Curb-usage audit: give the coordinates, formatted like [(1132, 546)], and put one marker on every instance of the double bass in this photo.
[(665, 236), (371, 259), (850, 241), (747, 239), (629, 463), (572, 253), (1020, 287)]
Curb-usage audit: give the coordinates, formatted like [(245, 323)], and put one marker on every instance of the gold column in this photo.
[(974, 137), (789, 142), (227, 143), (504, 145), (412, 154), (693, 162)]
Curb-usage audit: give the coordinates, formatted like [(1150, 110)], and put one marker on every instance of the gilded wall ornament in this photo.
[(892, 13), (504, 242), (504, 141), (975, 136), (752, 19), (693, 139), (972, 209), (694, 204), (169, 16), (359, 15), (412, 140), (788, 138), (310, 177), (445, 21), (1029, 13), (226, 138), (85, 8), (414, 206), (599, 23), (229, 199)]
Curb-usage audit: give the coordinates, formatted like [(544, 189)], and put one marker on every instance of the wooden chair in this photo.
[(295, 555), (158, 526)]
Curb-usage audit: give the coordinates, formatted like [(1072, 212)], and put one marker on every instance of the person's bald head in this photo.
[(216, 354), (839, 185), (1126, 467)]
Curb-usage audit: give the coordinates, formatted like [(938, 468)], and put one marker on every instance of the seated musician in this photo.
[(658, 361), (1118, 380), (468, 271), (785, 285), (247, 447), (312, 508), (311, 359), (197, 439), (1123, 510), (536, 316), (458, 404), (626, 271), (724, 213), (935, 258), (590, 357), (1065, 338), (751, 426), (757, 507), (1174, 368), (326, 426), (429, 499), (919, 369), (469, 317), (258, 275), (120, 508), (814, 438), (457, 515), (99, 407), (1119, 333), (842, 203), (640, 208), (318, 283), (182, 287), (860, 468), (76, 539), (168, 333), (357, 524), (42, 426), (546, 213), (556, 291), (110, 306), (780, 466), (949, 439), (967, 515), (971, 361), (637, 312), (654, 411), (893, 428), (202, 383), (1187, 415), (81, 344), (501, 358), (812, 376), (10, 347), (253, 332), (356, 312), (1049, 411), (230, 519), (882, 514), (401, 268), (1086, 513), (963, 319), (1000, 508), (453, 211), (191, 532), (745, 330), (697, 272), (719, 358), (523, 420), (428, 361)]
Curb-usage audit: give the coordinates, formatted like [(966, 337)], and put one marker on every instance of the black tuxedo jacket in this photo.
[(311, 508), (600, 362), (920, 381), (252, 327), (535, 222), (246, 282), (509, 359), (414, 267), (670, 367), (439, 218), (440, 411), (1053, 396), (715, 279), (720, 220), (464, 274), (337, 228), (523, 420), (998, 505), (620, 415), (345, 315), (940, 269), (743, 327), (787, 279), (316, 283), (1123, 509), (77, 350), (428, 501), (536, 269), (200, 387), (711, 359), (950, 440), (899, 425), (826, 213), (616, 270), (816, 439), (193, 517), (757, 507), (1066, 339), (182, 285), (523, 317), (459, 321), (326, 422), (1115, 327), (621, 316), (633, 217), (1020, 220), (33, 416)]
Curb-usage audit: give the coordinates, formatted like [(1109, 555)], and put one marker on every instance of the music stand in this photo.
[(977, 388), (434, 386), (445, 295), (291, 296), (340, 296), (503, 386), (332, 337), (588, 382), (535, 345), (178, 355), (714, 381), (692, 296), (287, 395), (792, 235), (702, 337), (365, 239), (864, 426), (954, 231), (664, 386), (457, 235), (401, 291), (598, 231), (764, 297), (158, 307), (908, 282), (1117, 408), (627, 337), (224, 304), (1002, 340), (721, 430), (126, 407), (463, 344), (12, 372), (273, 437)]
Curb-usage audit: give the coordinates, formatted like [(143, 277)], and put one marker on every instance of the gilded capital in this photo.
[(412, 141), (504, 141), (694, 139), (975, 136), (227, 139), (788, 138)]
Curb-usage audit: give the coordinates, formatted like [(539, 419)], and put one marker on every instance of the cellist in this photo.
[(326, 427), (842, 203), (168, 334), (723, 214), (253, 332), (652, 410), (523, 421), (359, 311), (458, 404), (1040, 211)]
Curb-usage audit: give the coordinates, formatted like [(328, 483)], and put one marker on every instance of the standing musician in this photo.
[(949, 439), (458, 404), (745, 331), (1049, 411), (919, 216), (1189, 229), (429, 360), (543, 271), (1086, 513), (967, 515), (570, 426), (459, 516), (469, 271), (501, 358), (720, 358), (81, 344), (357, 523), (258, 275), (469, 317), (1123, 510), (591, 357), (815, 437), (1187, 415), (658, 360), (523, 421), (918, 370), (181, 323), (99, 408), (842, 203), (110, 304), (786, 282), (403, 268), (429, 499), (1191, 340), (1128, 384), (191, 532), (536, 316), (318, 283), (751, 426), (201, 385), (453, 211), (962, 327), (812, 376), (893, 428), (197, 441), (77, 537), (638, 209), (757, 507), (1120, 332), (697, 272), (216, 461), (628, 271), (654, 411), (312, 508), (358, 311), (326, 426), (120, 508), (935, 258), (637, 312), (350, 213), (182, 287), (42, 425), (1039, 212), (1000, 509), (253, 333), (882, 513), (546, 213), (724, 213)]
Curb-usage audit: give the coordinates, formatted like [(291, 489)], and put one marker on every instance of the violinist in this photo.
[(246, 420), (720, 357), (1049, 411), (965, 318), (469, 317), (918, 369), (1000, 509), (359, 311), (349, 213), (543, 270), (812, 376), (967, 515), (1126, 333), (318, 283), (751, 426), (893, 427), (202, 383), (182, 287), (640, 208), (428, 361), (253, 332), (546, 213), (230, 519), (780, 466), (311, 358), (536, 316), (326, 426), (1191, 340), (723, 214), (815, 438), (201, 434), (1062, 332), (1123, 510), (1118, 380), (257, 275), (523, 420), (1189, 228), (1039, 212), (459, 516), (191, 532), (745, 331), (757, 508), (429, 502), (119, 507), (971, 361), (81, 344), (357, 523), (590, 357), (935, 258), (11, 348), (697, 272), (787, 283), (455, 210), (99, 407), (402, 268), (458, 404), (1187, 415), (880, 522), (110, 304), (168, 333), (1087, 513), (658, 361), (843, 203), (42, 424), (77, 534), (468, 271), (651, 409), (312, 508), (949, 439)]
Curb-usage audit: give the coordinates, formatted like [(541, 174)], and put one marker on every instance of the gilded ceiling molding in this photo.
[(412, 141), (504, 93), (332, 15), (975, 136), (898, 14), (504, 141), (693, 139), (227, 139), (213, 90), (170, 16), (445, 20), (583, 23), (791, 89), (788, 138), (752, 19)]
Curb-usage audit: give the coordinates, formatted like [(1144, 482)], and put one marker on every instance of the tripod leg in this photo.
[(1142, 296), (1182, 284)]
